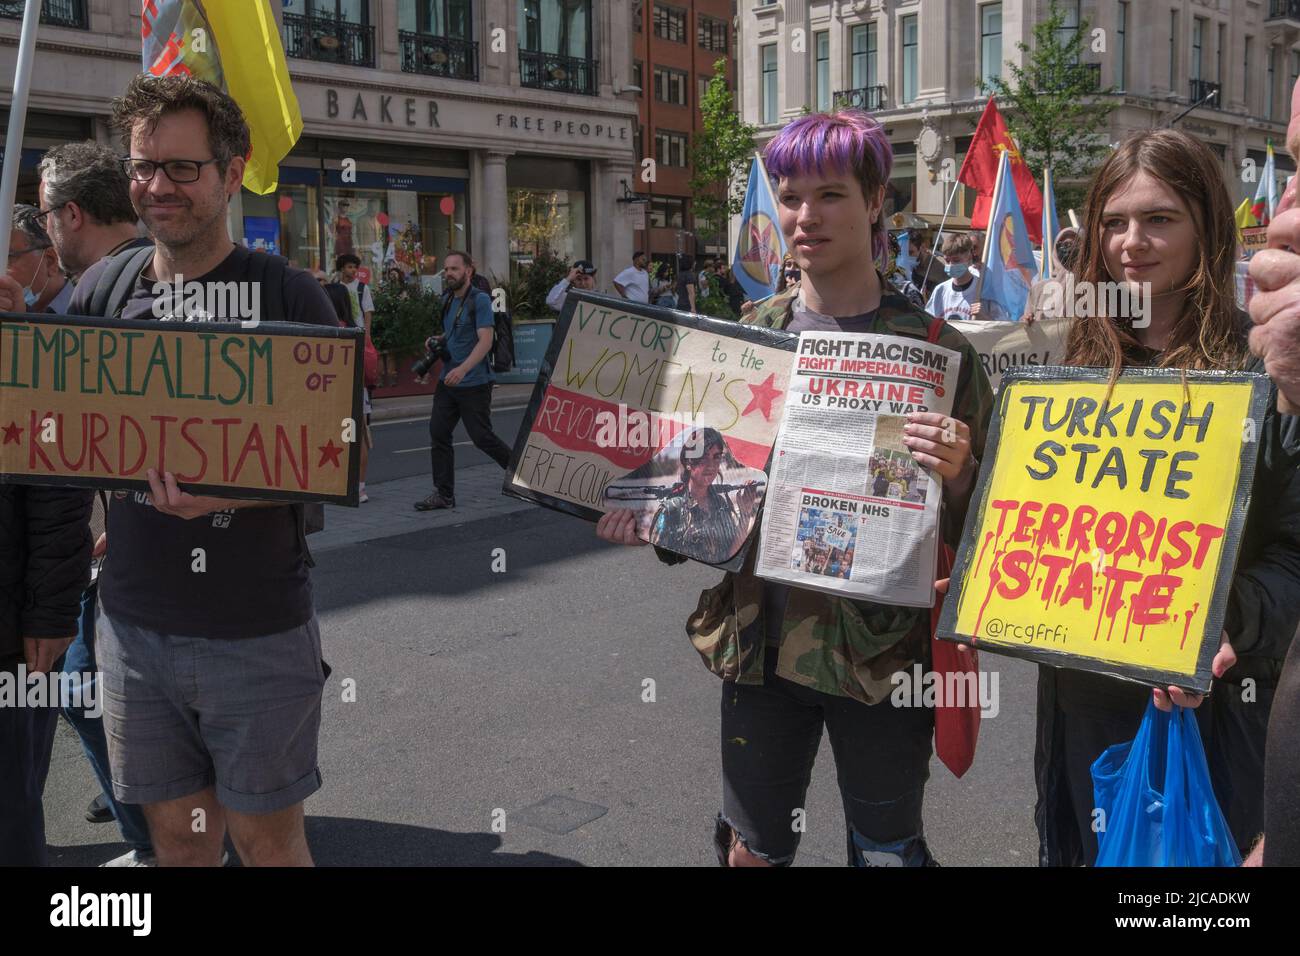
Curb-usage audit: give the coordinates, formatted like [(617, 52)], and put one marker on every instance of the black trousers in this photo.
[(473, 405), (26, 739), (770, 736)]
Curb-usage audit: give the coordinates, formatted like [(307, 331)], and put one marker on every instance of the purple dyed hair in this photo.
[(845, 141)]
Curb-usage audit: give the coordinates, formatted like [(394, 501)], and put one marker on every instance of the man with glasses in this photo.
[(34, 264), (212, 681)]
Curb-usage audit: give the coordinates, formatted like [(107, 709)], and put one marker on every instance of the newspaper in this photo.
[(849, 510)]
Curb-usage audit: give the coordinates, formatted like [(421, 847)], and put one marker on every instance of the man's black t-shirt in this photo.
[(256, 580)]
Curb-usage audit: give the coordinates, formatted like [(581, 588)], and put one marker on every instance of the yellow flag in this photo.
[(236, 46), (1245, 218)]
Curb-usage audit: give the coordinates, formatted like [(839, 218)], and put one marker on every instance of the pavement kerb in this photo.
[(418, 406)]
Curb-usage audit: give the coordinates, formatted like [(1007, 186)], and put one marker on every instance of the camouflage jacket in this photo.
[(832, 644)]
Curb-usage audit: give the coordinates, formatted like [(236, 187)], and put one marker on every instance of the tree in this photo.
[(720, 155), (1053, 104)]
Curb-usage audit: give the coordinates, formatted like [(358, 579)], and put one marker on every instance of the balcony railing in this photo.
[(329, 40), (55, 13), (439, 56), (1284, 10), (1203, 88), (561, 74), (869, 98), (1094, 76)]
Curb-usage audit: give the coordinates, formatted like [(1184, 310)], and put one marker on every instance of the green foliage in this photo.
[(405, 315), (1053, 106), (721, 153), (526, 291), (715, 303)]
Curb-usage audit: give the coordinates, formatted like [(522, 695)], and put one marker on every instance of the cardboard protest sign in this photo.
[(669, 414), (1005, 345), (270, 412), (1103, 533), (1254, 238)]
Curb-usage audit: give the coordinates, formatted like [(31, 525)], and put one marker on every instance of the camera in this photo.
[(435, 348)]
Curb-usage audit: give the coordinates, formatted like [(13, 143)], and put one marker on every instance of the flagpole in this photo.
[(938, 239), (998, 185), (17, 118), (1045, 268)]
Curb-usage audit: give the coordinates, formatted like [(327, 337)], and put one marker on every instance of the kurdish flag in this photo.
[(760, 248), (1008, 257), (1243, 215), (1051, 225), (1266, 192), (237, 47)]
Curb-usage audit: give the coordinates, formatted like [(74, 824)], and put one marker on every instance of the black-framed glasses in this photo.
[(40, 216), (177, 170)]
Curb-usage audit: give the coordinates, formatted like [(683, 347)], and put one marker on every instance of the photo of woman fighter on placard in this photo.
[(694, 497)]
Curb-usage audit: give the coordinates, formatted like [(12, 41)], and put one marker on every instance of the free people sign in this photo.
[(1104, 531), (269, 412)]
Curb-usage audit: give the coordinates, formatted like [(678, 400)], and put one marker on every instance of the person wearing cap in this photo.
[(581, 276)]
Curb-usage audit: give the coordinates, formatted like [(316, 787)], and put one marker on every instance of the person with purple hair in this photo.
[(796, 660)]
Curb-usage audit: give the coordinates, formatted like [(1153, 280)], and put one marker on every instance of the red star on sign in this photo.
[(13, 434), (762, 396), (329, 452)]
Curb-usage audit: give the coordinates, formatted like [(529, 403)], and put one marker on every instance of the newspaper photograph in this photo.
[(848, 509)]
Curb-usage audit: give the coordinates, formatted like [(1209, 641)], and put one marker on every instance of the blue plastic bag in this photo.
[(1159, 807)]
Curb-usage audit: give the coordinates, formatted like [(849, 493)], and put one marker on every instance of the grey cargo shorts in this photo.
[(185, 713)]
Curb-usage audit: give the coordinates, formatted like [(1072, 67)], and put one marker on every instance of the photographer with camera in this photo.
[(465, 388)]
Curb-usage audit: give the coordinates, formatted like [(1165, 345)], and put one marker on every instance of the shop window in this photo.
[(546, 222), (313, 225)]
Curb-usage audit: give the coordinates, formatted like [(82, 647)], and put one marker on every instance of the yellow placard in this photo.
[(1104, 527)]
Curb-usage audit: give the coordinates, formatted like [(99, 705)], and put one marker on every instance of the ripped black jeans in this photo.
[(770, 736)]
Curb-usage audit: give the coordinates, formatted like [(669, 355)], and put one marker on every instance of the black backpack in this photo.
[(503, 342), (113, 290)]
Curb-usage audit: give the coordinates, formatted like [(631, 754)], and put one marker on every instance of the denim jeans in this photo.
[(80, 664)]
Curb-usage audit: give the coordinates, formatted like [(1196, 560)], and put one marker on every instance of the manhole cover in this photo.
[(559, 815)]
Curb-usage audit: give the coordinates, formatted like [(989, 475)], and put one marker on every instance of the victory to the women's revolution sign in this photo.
[(669, 414), (267, 412), (1104, 530)]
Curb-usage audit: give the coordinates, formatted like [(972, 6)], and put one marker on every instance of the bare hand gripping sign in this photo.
[(1104, 532), (270, 412), (668, 414)]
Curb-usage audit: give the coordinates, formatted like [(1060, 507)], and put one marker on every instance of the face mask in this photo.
[(956, 269), (30, 298)]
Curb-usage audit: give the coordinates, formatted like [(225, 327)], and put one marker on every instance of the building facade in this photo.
[(675, 46), (497, 126), (917, 65)]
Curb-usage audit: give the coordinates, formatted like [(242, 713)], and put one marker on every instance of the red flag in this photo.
[(980, 171)]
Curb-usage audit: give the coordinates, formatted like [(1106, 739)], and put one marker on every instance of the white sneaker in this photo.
[(134, 858), (364, 498)]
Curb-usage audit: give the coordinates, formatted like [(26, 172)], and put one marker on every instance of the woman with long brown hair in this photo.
[(1158, 213)]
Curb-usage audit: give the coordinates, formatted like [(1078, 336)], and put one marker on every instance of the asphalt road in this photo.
[(518, 698), (402, 447)]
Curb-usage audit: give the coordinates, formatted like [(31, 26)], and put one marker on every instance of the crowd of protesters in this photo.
[(213, 705)]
